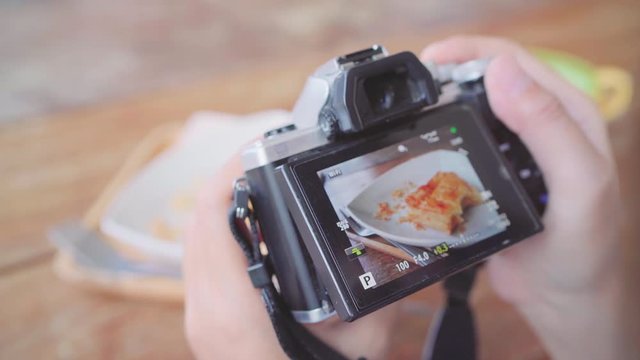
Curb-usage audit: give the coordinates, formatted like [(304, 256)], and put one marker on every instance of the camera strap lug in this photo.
[(241, 198)]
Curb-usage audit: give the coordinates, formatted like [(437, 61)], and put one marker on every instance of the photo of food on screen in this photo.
[(408, 205)]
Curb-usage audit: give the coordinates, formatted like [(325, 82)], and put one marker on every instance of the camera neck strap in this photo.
[(452, 334), (296, 341)]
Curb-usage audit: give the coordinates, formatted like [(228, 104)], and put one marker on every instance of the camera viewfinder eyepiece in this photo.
[(373, 89)]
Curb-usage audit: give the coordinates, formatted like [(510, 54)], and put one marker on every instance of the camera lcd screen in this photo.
[(408, 205), (403, 208)]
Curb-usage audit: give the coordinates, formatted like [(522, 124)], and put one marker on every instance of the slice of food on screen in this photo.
[(440, 203), (430, 199)]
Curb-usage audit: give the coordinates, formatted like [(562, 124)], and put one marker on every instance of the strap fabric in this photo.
[(452, 333)]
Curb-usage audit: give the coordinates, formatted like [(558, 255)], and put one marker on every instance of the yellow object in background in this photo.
[(610, 87)]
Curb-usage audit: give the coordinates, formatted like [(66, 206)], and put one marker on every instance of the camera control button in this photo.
[(504, 147), (524, 173), (328, 123)]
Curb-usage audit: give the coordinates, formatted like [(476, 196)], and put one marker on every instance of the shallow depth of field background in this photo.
[(83, 81)]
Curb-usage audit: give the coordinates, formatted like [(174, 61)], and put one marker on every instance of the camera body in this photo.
[(393, 175)]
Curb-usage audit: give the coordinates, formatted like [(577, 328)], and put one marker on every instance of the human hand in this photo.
[(567, 279), (225, 317)]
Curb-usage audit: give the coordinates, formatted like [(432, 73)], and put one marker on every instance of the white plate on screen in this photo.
[(481, 221)]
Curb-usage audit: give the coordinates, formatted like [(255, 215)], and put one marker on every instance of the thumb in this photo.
[(557, 143)]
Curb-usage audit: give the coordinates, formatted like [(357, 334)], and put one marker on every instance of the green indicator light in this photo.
[(454, 130)]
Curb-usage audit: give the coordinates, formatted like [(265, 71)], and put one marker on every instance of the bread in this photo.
[(439, 203)]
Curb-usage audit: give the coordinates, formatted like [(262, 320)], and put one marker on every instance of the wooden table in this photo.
[(51, 168)]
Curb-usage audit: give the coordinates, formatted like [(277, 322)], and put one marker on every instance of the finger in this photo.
[(218, 293), (207, 238), (566, 157), (209, 233), (459, 49), (581, 109), (213, 260)]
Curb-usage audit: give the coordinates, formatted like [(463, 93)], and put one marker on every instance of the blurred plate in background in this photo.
[(151, 212)]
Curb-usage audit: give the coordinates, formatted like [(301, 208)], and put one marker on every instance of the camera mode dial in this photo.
[(328, 123)]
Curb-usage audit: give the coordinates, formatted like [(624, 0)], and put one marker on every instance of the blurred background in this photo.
[(61, 55), (83, 82)]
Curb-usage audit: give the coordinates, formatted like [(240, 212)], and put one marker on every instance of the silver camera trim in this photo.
[(281, 146), (308, 135), (314, 315)]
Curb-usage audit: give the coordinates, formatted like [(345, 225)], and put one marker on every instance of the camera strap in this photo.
[(296, 340), (452, 334)]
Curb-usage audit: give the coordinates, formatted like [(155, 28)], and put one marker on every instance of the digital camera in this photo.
[(393, 175)]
